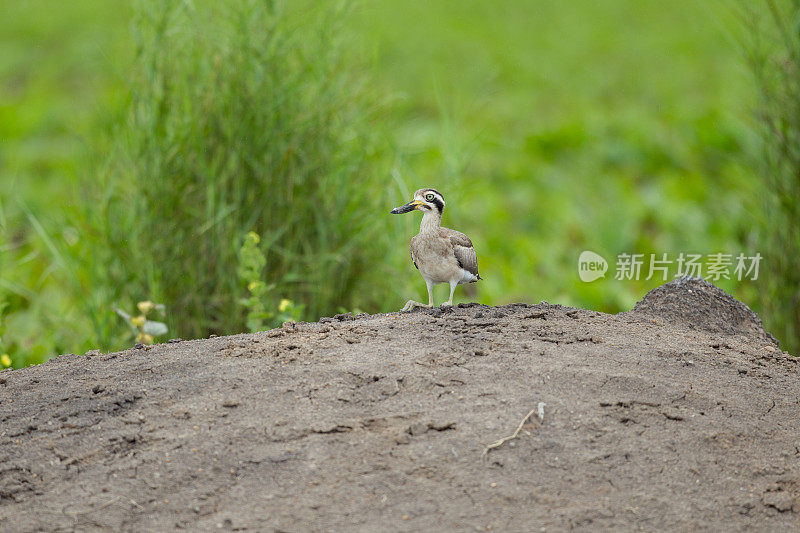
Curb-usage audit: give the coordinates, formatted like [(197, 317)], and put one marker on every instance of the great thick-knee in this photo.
[(441, 255)]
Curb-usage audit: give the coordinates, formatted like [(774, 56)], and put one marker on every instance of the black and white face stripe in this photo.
[(433, 199)]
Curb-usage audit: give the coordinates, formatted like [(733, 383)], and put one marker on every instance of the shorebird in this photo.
[(441, 255)]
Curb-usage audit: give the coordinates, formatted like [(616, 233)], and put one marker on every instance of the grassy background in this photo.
[(550, 127), (62, 75), (557, 127)]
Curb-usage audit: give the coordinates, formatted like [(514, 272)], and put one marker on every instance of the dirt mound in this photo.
[(699, 304), (397, 422)]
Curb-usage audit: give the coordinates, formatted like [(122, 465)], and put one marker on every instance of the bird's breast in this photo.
[(434, 258)]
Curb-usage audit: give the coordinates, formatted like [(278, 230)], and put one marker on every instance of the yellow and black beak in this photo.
[(410, 206)]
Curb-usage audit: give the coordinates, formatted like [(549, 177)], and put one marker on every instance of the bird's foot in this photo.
[(447, 304), (411, 304)]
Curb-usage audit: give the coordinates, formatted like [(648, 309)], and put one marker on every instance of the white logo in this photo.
[(591, 266)]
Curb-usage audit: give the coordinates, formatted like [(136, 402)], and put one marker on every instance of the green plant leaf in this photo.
[(151, 327)]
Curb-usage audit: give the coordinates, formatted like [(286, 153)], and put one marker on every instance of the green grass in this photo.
[(141, 145), (61, 72), (773, 46), (243, 117), (555, 127)]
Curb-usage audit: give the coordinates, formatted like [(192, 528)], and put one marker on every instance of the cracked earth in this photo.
[(681, 414)]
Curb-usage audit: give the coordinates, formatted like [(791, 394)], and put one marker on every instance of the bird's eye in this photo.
[(429, 197)]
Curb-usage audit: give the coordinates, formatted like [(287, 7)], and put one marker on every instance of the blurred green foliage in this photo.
[(143, 328), (773, 46), (238, 121), (62, 74), (259, 301), (555, 127), (251, 272), (141, 143)]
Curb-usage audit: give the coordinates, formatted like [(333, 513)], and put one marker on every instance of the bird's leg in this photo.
[(411, 304), (449, 302)]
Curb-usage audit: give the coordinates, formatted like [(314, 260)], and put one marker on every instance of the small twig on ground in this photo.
[(539, 410), (136, 504), (74, 514)]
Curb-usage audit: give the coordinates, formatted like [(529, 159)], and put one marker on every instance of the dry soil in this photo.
[(681, 415)]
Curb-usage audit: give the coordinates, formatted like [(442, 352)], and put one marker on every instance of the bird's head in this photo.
[(425, 200)]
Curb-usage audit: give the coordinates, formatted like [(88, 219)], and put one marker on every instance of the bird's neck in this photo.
[(430, 222)]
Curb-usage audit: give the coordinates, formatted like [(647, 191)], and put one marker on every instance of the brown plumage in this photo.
[(441, 243), (442, 255), (464, 252)]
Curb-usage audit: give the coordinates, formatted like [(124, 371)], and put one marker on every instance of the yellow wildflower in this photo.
[(254, 237), (5, 360), (144, 338), (284, 305), (145, 306), (138, 321), (252, 286)]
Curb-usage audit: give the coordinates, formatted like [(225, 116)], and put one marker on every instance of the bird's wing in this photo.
[(411, 249), (463, 250)]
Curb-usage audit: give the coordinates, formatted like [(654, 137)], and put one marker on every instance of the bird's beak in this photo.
[(410, 206)]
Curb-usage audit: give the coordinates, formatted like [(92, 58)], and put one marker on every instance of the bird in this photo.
[(441, 255)]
